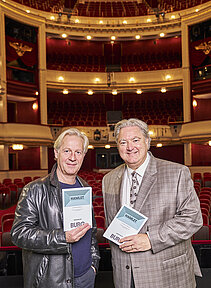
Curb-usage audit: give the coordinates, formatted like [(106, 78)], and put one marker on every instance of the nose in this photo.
[(72, 156), (129, 146)]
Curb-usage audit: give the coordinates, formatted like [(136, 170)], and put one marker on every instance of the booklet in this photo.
[(77, 207), (127, 221)]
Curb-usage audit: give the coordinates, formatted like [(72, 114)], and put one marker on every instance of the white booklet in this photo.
[(127, 222), (77, 207)]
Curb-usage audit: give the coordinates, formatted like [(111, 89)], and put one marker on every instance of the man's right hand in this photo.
[(77, 233)]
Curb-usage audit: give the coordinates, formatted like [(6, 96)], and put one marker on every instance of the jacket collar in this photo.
[(148, 182)]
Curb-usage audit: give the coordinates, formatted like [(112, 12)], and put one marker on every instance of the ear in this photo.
[(55, 154), (147, 142)]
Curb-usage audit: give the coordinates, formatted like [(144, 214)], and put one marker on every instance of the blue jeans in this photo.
[(87, 280)]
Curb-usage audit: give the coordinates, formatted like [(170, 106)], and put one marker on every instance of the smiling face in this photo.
[(132, 146), (69, 157)]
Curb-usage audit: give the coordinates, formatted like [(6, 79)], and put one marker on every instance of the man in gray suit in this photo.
[(161, 254)]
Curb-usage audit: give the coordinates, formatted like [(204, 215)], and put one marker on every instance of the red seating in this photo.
[(5, 217), (7, 181), (100, 221), (207, 181), (27, 179), (16, 180), (7, 225), (98, 201), (98, 209), (205, 219), (197, 178), (205, 205), (5, 199), (13, 192)]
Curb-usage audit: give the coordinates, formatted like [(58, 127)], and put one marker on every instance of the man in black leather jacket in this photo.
[(51, 257)]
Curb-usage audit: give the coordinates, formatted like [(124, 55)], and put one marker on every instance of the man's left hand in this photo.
[(135, 243)]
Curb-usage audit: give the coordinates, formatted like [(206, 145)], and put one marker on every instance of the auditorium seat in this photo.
[(197, 177), (98, 209), (7, 225), (5, 197), (98, 201), (13, 192), (100, 221), (16, 180), (27, 179), (205, 219), (207, 181), (7, 181), (6, 239), (5, 217)]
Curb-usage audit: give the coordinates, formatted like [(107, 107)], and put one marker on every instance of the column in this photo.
[(188, 154), (186, 73), (42, 74), (4, 156), (43, 157), (3, 87)]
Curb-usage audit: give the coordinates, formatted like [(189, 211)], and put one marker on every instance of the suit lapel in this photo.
[(148, 181), (117, 188)]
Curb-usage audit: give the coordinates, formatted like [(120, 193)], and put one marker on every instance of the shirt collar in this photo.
[(141, 169)]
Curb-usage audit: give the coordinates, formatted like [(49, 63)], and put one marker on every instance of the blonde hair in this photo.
[(71, 131)]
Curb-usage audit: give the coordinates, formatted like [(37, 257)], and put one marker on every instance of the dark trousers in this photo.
[(87, 280)]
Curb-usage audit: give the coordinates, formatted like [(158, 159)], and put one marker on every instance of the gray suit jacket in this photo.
[(167, 197)]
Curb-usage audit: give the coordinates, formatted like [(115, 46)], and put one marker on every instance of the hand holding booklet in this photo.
[(127, 222), (77, 207)]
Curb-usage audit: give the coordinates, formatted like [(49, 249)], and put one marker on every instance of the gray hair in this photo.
[(132, 122), (70, 132)]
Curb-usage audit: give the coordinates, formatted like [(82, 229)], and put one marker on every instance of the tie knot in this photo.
[(133, 173)]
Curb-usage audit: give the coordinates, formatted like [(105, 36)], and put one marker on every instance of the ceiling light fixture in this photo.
[(168, 77), (17, 147), (139, 91), (132, 79), (90, 147), (195, 103), (65, 91), (107, 146), (35, 106)]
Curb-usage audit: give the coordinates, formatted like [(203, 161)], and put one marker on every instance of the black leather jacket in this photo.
[(38, 230)]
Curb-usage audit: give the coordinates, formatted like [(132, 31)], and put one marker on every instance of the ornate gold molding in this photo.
[(205, 47), (20, 48)]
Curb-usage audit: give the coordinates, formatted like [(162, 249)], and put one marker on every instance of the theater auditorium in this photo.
[(88, 64)]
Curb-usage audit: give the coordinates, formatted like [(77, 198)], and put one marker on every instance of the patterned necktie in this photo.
[(134, 188)]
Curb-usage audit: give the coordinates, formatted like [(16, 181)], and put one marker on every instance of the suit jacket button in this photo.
[(127, 267), (68, 281)]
